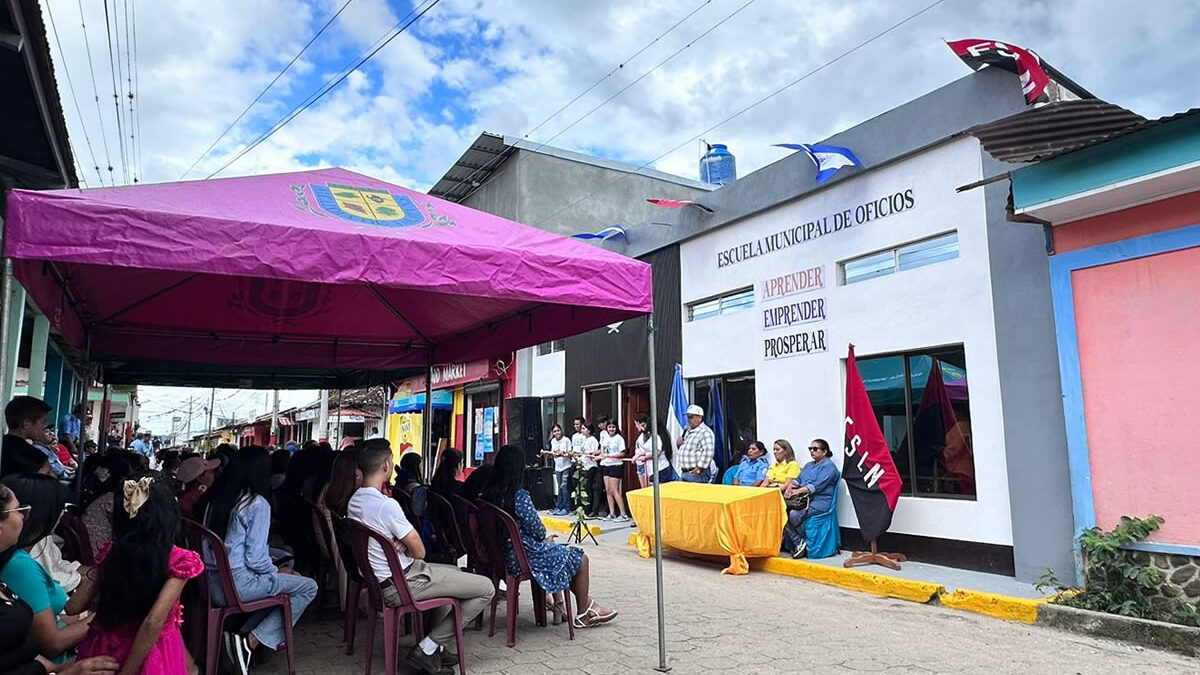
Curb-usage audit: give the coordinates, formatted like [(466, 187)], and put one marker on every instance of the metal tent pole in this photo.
[(427, 415), (5, 317), (656, 445)]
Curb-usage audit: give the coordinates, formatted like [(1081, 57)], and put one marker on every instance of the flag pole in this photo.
[(655, 444)]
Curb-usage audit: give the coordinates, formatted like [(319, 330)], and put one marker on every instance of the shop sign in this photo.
[(449, 375), (310, 414), (800, 233)]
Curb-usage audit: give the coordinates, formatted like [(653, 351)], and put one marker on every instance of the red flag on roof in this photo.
[(867, 468), (677, 203), (978, 53)]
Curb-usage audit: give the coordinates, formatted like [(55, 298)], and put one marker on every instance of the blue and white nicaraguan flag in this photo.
[(828, 158), (603, 235), (676, 421)]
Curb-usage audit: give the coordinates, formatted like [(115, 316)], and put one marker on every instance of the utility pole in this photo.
[(275, 420), (212, 401), (189, 432), (321, 430)]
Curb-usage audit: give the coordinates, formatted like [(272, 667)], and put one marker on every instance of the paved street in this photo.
[(751, 625)]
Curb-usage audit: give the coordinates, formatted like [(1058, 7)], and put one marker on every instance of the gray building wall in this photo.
[(1035, 437), (538, 189)]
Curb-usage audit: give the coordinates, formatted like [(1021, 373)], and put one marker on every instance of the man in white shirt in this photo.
[(371, 507)]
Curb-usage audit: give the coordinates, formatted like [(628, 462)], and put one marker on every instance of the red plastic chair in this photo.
[(354, 581), (77, 544), (441, 515), (216, 560), (360, 538), (491, 521), (466, 516)]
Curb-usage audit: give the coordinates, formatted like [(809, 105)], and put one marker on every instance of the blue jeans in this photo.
[(704, 477), (565, 482), (251, 586), (666, 475)]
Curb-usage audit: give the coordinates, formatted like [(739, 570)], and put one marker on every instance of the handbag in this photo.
[(796, 502)]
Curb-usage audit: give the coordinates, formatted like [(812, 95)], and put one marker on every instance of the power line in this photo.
[(96, 93), (71, 88), (744, 110), (317, 95), (129, 94), (137, 93), (495, 160), (112, 66), (266, 89)]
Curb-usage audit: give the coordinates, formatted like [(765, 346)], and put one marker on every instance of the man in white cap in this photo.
[(696, 448)]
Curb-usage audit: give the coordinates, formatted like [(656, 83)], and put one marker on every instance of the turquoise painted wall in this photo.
[(1157, 148)]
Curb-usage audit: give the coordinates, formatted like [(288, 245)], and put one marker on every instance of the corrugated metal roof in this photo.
[(1055, 129), (473, 168)]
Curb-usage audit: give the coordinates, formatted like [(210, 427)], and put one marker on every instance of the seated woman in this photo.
[(752, 471), (818, 479), (20, 653), (555, 567), (98, 513), (445, 477), (239, 512), (785, 466), (409, 474), (45, 499)]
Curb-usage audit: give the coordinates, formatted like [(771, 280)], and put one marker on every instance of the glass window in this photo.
[(554, 411), (869, 267), (907, 257), (734, 301), (928, 252), (551, 347), (599, 404), (925, 420)]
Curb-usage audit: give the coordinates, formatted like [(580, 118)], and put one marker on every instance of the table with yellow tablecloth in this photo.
[(731, 520)]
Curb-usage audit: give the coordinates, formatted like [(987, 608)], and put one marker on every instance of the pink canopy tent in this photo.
[(323, 278)]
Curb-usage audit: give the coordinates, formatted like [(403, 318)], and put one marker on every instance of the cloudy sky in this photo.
[(506, 66)]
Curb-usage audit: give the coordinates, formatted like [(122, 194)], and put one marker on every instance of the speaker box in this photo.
[(523, 418), (539, 481)]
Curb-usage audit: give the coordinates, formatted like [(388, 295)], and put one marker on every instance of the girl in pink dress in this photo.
[(138, 614)]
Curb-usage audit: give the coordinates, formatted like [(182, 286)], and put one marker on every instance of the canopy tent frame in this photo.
[(130, 268)]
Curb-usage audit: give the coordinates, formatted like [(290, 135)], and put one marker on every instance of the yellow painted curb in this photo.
[(855, 580), (565, 526), (998, 606)]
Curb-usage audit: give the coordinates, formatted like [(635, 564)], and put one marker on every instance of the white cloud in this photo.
[(506, 65)]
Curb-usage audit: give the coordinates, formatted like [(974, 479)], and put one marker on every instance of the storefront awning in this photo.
[(443, 399)]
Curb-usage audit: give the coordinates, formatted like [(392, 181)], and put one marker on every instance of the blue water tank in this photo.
[(718, 166)]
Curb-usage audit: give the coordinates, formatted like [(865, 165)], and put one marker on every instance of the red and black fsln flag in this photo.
[(867, 468), (1026, 64)]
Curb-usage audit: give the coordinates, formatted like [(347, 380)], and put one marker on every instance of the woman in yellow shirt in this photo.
[(785, 466)]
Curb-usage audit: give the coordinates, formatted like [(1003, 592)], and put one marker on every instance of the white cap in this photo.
[(695, 410)]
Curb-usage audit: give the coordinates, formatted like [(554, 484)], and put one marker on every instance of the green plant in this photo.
[(580, 494), (1115, 582)]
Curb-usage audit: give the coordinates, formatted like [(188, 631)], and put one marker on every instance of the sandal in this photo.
[(590, 618)]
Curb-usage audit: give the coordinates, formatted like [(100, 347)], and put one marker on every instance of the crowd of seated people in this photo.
[(274, 512)]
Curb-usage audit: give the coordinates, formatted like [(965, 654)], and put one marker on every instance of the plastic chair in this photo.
[(491, 520), (321, 562), (354, 581), (77, 544), (216, 561), (822, 531), (466, 515), (360, 538), (441, 516)]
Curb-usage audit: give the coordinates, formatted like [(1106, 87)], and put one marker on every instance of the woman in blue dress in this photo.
[(555, 567)]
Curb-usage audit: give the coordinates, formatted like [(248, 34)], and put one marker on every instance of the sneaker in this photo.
[(801, 550), (240, 647), (427, 663), (623, 519)]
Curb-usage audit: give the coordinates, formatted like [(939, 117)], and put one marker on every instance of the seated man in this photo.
[(752, 471), (371, 507)]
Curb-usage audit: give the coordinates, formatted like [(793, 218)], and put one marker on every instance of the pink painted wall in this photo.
[(1139, 352), (1136, 221)]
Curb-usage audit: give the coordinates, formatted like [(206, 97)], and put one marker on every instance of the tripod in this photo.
[(580, 530)]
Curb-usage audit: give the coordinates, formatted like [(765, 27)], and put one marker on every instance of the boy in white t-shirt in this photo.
[(371, 507)]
